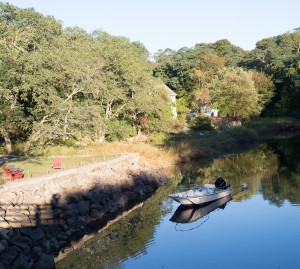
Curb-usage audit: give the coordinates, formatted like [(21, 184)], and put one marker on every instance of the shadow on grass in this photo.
[(205, 146)]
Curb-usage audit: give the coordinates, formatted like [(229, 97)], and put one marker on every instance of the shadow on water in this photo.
[(128, 237), (189, 214), (35, 234), (271, 168), (32, 235), (131, 237)]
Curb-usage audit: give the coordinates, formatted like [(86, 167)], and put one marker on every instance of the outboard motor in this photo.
[(220, 183)]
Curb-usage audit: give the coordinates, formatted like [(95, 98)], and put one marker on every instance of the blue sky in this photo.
[(161, 24)]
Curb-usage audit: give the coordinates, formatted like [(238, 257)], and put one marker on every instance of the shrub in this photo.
[(158, 138), (119, 130), (201, 123)]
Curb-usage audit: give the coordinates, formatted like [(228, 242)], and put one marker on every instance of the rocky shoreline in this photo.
[(43, 218)]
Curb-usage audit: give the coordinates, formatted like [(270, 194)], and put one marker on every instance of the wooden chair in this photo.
[(12, 175), (57, 164)]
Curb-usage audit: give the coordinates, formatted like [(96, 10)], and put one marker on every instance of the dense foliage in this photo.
[(274, 66), (64, 85)]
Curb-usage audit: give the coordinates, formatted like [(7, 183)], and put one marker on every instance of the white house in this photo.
[(211, 112), (172, 95)]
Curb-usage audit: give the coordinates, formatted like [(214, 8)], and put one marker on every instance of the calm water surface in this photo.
[(259, 228)]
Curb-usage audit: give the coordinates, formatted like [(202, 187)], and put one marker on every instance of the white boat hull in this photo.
[(198, 197), (188, 214)]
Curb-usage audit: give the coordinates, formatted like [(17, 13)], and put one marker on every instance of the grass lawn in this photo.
[(79, 156), (39, 166)]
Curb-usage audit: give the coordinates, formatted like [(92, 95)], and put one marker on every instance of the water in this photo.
[(258, 228)]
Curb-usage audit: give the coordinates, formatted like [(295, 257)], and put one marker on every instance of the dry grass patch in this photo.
[(75, 157)]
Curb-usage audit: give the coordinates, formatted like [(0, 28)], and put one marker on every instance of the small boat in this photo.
[(202, 195), (188, 214)]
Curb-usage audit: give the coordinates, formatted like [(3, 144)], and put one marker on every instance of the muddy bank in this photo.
[(41, 217)]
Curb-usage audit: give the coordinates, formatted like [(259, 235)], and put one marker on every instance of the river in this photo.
[(257, 228)]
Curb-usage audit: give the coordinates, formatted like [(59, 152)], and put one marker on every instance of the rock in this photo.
[(53, 230), (3, 245), (2, 212), (62, 243), (2, 248), (23, 239), (8, 256), (77, 204), (22, 246), (120, 199), (112, 207), (4, 224), (74, 198), (96, 213), (83, 208), (53, 244), (81, 221), (36, 234), (32, 210), (56, 213), (148, 189), (37, 252), (71, 210), (131, 196), (71, 222), (46, 246), (62, 237), (63, 227), (15, 224), (21, 262), (24, 232), (105, 205), (96, 197), (5, 234), (46, 261), (95, 206)]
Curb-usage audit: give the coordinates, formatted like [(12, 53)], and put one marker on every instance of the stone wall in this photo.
[(40, 217)]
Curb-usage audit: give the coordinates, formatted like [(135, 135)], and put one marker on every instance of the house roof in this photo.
[(164, 86)]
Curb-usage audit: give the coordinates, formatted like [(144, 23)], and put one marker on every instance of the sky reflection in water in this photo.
[(249, 234), (259, 228)]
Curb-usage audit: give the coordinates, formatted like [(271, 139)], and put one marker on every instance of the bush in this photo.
[(158, 138), (119, 130), (201, 123)]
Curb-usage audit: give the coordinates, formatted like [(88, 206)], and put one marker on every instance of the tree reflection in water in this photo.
[(271, 169)]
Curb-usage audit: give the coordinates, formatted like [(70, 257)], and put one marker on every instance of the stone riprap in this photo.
[(39, 217)]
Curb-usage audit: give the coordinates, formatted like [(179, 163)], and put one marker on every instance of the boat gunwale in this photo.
[(197, 196)]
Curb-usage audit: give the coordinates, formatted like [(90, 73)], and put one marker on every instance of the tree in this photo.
[(186, 71), (278, 57), (264, 86), (21, 46), (202, 76), (233, 92), (128, 90)]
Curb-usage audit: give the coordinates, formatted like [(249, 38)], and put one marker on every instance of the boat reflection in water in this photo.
[(190, 214)]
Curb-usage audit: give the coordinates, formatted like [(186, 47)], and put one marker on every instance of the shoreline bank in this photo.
[(42, 216)]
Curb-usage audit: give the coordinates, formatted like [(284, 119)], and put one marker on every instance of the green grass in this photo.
[(167, 151), (270, 123), (39, 166)]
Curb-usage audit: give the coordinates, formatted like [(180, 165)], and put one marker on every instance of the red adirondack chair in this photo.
[(57, 164), (12, 175)]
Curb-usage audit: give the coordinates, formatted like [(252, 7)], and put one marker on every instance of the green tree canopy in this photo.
[(233, 92), (61, 84)]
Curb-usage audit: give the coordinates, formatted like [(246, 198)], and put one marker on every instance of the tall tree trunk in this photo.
[(108, 110), (8, 144), (66, 123)]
